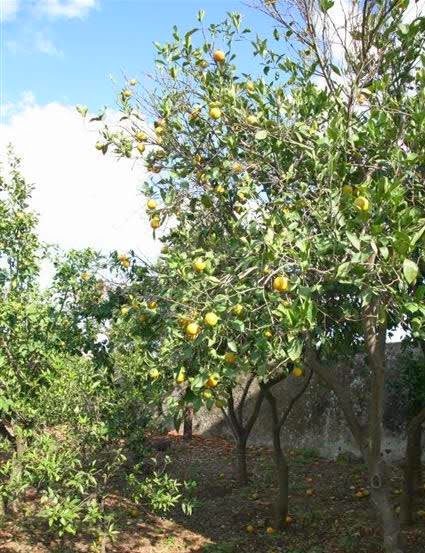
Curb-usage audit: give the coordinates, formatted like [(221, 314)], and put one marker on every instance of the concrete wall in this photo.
[(317, 421)]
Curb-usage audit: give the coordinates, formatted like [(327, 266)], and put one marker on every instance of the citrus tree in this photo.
[(315, 164), (67, 407)]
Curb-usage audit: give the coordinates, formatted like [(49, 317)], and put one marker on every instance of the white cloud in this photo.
[(83, 198), (8, 9), (66, 8), (44, 45)]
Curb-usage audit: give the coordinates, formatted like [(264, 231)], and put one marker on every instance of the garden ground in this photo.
[(327, 514)]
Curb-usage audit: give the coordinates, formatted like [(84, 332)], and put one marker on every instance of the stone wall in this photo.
[(317, 421)]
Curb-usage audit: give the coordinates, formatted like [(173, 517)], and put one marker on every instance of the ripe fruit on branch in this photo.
[(230, 357), (211, 319), (192, 329), (215, 113), (152, 304), (362, 203), (280, 284), (155, 222), (141, 136), (199, 265), (151, 203), (181, 377), (238, 309), (219, 56), (154, 373), (212, 381), (124, 261)]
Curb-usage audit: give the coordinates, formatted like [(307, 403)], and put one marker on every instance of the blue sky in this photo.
[(56, 54), (67, 56)]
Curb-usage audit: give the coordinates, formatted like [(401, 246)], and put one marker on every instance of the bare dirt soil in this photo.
[(326, 514)]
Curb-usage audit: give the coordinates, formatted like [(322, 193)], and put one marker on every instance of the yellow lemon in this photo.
[(123, 259), (192, 329), (99, 146), (212, 381), (211, 319), (141, 136), (347, 189), (151, 204), (280, 283), (230, 357), (126, 93), (154, 373), (152, 304), (238, 309), (219, 56), (237, 167), (155, 222), (268, 333), (252, 120), (270, 530), (207, 394), (199, 265), (220, 189), (215, 113), (250, 86), (362, 203), (141, 148), (85, 277), (181, 377)]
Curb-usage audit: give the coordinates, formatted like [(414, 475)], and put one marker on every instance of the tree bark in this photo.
[(282, 468), (188, 423), (375, 330), (412, 467), (368, 442), (242, 462), (282, 499), (16, 468)]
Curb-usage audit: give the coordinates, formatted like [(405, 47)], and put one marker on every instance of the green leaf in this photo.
[(354, 240), (82, 110), (410, 271), (326, 5), (417, 236), (295, 349), (232, 346), (261, 135)]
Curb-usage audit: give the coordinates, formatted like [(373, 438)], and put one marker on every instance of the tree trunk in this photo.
[(16, 469), (381, 499), (412, 467), (242, 462), (188, 423), (282, 499), (375, 329)]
